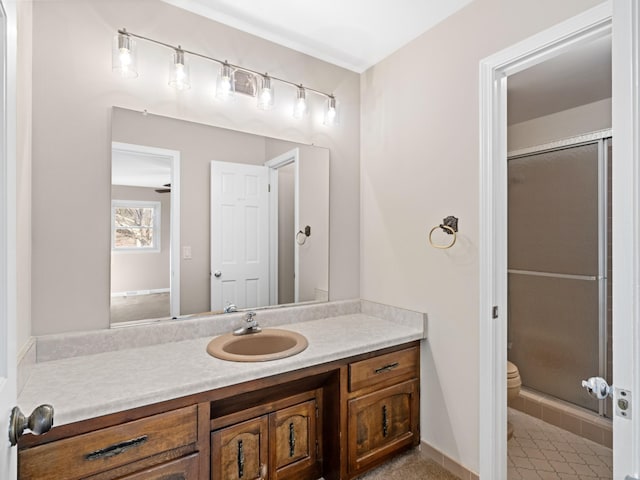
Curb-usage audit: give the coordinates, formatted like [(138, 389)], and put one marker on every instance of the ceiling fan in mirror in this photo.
[(167, 188)]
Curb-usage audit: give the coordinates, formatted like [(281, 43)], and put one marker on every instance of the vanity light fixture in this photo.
[(179, 71), (124, 62), (331, 112), (300, 105), (265, 93), (225, 85), (124, 55)]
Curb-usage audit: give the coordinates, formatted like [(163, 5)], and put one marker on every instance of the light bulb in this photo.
[(124, 56), (331, 113), (225, 84), (179, 74), (300, 104), (265, 94)]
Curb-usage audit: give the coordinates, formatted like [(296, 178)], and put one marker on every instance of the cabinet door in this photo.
[(293, 442), (382, 423), (240, 452)]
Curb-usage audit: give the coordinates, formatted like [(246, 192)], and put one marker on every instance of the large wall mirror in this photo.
[(205, 219)]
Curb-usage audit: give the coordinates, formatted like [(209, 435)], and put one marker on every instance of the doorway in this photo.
[(592, 24), (145, 234)]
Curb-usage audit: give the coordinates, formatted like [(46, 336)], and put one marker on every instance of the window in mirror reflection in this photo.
[(135, 226)]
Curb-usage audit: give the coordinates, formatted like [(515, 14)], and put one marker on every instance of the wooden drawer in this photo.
[(185, 468), (102, 450), (384, 370)]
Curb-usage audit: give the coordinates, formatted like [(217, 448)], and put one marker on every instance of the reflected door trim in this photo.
[(287, 158), (174, 255)]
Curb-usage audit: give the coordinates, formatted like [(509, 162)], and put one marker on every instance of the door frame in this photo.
[(174, 214), (494, 70), (8, 209), (287, 158)]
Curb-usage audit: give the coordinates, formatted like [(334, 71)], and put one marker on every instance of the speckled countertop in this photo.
[(88, 386)]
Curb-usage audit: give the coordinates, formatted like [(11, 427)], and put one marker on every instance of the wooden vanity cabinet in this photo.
[(283, 444), (335, 420), (382, 408)]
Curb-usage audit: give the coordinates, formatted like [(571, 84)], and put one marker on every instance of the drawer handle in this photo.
[(292, 440), (116, 449), (386, 368), (385, 421)]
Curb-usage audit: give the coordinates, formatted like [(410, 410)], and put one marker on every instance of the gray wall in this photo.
[(419, 163), (72, 99), (558, 126), (286, 195)]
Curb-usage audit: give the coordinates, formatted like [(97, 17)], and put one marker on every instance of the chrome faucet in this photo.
[(230, 308), (252, 326)]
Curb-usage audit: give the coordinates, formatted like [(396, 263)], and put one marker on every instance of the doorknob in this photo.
[(217, 274), (40, 421), (598, 388)]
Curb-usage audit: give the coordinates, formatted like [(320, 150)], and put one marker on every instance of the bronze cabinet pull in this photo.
[(116, 449), (386, 368), (385, 421), (240, 459), (292, 440)]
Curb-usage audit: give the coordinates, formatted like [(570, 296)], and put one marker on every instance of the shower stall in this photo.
[(559, 261)]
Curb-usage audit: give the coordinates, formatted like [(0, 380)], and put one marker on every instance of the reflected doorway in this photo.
[(144, 234)]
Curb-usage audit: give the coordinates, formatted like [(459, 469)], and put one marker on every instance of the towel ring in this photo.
[(449, 230)]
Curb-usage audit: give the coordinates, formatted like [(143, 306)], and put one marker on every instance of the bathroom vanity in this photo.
[(341, 407)]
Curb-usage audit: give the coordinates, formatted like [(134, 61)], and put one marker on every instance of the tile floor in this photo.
[(539, 450), (412, 465)]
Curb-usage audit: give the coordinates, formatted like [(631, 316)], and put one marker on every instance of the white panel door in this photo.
[(239, 235), (7, 234)]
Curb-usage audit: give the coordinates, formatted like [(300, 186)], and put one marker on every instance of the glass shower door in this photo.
[(557, 285)]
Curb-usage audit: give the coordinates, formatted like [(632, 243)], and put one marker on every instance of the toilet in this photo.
[(513, 390)]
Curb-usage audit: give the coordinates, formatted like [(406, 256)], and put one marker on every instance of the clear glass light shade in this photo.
[(179, 71), (300, 104), (331, 112), (265, 94), (225, 85), (124, 56)]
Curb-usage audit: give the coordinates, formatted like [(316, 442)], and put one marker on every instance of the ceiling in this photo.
[(139, 169), (575, 78), (354, 34)]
